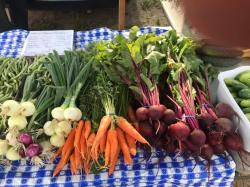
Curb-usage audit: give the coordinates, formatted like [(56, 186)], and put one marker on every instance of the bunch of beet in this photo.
[(154, 122)]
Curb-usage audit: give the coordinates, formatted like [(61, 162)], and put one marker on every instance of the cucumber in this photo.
[(244, 77), (244, 93), (245, 103), (248, 116), (235, 84), (246, 110), (238, 100)]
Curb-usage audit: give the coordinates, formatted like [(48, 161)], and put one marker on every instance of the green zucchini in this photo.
[(246, 110), (244, 93), (248, 116), (245, 103), (235, 84)]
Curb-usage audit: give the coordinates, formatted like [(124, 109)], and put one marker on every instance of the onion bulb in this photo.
[(48, 128), (57, 140), (3, 147), (12, 154), (11, 108), (63, 128), (27, 108), (72, 114), (17, 121), (57, 113)]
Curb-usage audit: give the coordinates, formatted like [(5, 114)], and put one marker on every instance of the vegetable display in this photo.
[(91, 106)]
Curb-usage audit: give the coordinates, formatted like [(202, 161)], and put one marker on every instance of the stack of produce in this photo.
[(93, 105)]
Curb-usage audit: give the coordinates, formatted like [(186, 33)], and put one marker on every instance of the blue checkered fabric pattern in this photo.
[(172, 171)]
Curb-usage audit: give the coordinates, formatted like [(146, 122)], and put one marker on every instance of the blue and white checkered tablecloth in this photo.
[(174, 171)]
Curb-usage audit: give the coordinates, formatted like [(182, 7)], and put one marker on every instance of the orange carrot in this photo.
[(60, 166), (73, 164), (69, 142), (114, 162), (78, 158), (112, 137), (124, 146), (129, 129), (87, 129), (131, 144), (86, 166), (131, 114), (78, 133), (103, 127), (103, 142), (83, 146), (91, 139), (107, 153), (56, 154)]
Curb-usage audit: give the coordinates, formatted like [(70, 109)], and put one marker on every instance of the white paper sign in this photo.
[(44, 42)]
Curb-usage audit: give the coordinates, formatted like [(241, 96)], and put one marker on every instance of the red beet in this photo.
[(233, 142), (219, 149), (155, 112), (206, 120), (142, 114), (163, 107), (160, 127), (191, 147), (146, 129), (197, 137), (215, 138), (169, 117), (224, 125), (224, 110), (179, 131), (206, 152)]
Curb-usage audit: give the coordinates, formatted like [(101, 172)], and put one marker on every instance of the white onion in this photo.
[(72, 114), (11, 108), (48, 128), (12, 154), (12, 136), (57, 140), (57, 113), (27, 108), (3, 147), (17, 121), (63, 128)]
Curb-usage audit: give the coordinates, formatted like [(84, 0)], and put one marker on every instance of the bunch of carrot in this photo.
[(76, 149), (114, 134)]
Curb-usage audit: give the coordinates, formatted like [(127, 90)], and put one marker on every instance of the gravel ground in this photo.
[(138, 12)]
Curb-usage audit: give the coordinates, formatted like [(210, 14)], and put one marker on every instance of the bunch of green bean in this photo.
[(13, 72), (41, 73)]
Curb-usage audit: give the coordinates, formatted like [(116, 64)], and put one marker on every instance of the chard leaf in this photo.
[(147, 81), (136, 90)]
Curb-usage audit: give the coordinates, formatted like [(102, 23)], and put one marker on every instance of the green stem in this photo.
[(66, 102), (74, 97)]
